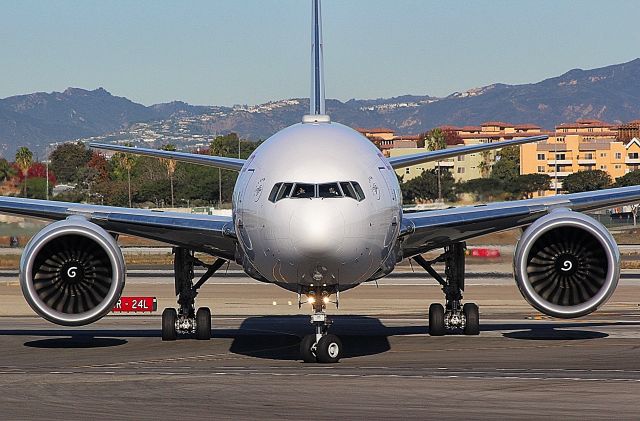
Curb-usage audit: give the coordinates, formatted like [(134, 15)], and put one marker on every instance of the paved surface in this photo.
[(521, 365)]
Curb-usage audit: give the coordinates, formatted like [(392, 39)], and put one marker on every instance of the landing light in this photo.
[(325, 300), (311, 299)]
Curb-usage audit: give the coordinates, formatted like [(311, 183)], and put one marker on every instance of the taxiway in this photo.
[(521, 365)]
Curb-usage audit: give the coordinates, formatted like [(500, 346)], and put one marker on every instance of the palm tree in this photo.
[(434, 140), (171, 167), (24, 159), (485, 164)]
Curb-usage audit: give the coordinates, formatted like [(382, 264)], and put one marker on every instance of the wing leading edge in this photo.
[(208, 160), (428, 230), (206, 233), (419, 158)]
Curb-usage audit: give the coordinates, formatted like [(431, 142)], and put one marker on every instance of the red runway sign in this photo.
[(136, 305)]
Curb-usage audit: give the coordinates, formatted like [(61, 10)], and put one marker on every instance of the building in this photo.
[(579, 146), (386, 139), (468, 167)]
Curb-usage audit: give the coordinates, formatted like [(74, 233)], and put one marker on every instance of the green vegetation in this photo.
[(586, 181), (127, 179), (24, 159)]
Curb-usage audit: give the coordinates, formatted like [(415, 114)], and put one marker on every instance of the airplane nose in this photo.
[(317, 228)]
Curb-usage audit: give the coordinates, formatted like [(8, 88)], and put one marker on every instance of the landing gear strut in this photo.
[(186, 320), (321, 347), (453, 316)]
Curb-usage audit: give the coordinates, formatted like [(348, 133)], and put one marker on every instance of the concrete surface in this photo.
[(521, 366)]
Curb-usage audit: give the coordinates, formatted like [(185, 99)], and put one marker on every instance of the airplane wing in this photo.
[(428, 230), (210, 234), (418, 158), (208, 160)]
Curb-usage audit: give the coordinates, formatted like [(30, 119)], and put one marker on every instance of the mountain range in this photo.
[(35, 120)]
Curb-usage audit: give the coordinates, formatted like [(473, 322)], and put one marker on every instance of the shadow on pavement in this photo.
[(76, 342), (278, 337), (554, 334)]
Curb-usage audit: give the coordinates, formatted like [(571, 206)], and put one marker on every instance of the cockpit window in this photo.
[(285, 191), (358, 190), (348, 190), (329, 190), (337, 189), (274, 192), (304, 191)]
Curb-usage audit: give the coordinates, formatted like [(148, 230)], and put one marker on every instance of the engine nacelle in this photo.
[(72, 272), (566, 264)]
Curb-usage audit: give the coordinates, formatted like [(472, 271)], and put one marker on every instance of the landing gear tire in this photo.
[(169, 319), (308, 349), (436, 320), (203, 324), (472, 316), (328, 349)]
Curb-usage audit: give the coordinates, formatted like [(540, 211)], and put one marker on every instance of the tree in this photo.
[(24, 158), (630, 179), (67, 159), (528, 184), (483, 189), (586, 181), (37, 188), (452, 137), (435, 140), (170, 164), (124, 162), (39, 170), (6, 170), (426, 187), (485, 164), (99, 163), (507, 165)]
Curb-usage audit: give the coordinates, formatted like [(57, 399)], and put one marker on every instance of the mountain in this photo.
[(609, 93), (34, 120)]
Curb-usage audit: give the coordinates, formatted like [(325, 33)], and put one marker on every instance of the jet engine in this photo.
[(566, 264), (72, 272)]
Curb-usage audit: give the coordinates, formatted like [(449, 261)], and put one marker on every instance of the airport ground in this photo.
[(521, 366)]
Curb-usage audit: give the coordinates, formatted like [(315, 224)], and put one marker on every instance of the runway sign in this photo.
[(135, 305)]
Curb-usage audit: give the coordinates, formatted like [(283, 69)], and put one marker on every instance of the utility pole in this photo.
[(555, 158), (46, 163), (220, 188), (439, 185)]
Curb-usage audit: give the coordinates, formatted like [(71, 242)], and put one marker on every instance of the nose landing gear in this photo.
[(453, 317), (321, 347)]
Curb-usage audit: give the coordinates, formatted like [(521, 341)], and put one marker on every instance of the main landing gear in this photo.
[(186, 320), (321, 346), (453, 317)]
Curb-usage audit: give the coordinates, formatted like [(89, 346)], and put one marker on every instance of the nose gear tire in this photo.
[(307, 349), (328, 349)]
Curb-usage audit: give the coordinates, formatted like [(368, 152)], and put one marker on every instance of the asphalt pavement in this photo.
[(522, 365)]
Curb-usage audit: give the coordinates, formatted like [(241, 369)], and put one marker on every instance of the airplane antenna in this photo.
[(317, 101)]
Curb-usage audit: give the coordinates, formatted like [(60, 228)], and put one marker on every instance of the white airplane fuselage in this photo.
[(335, 241)]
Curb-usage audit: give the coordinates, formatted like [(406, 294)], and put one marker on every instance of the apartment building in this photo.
[(583, 145), (468, 167)]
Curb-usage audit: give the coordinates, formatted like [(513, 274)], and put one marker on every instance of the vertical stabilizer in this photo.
[(317, 63)]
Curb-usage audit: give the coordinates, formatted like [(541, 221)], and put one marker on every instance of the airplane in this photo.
[(317, 210)]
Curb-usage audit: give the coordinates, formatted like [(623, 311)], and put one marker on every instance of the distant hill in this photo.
[(34, 120), (610, 93)]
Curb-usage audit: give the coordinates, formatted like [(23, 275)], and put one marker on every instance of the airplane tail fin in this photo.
[(317, 62)]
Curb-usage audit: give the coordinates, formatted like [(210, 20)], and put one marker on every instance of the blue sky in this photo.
[(251, 51)]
